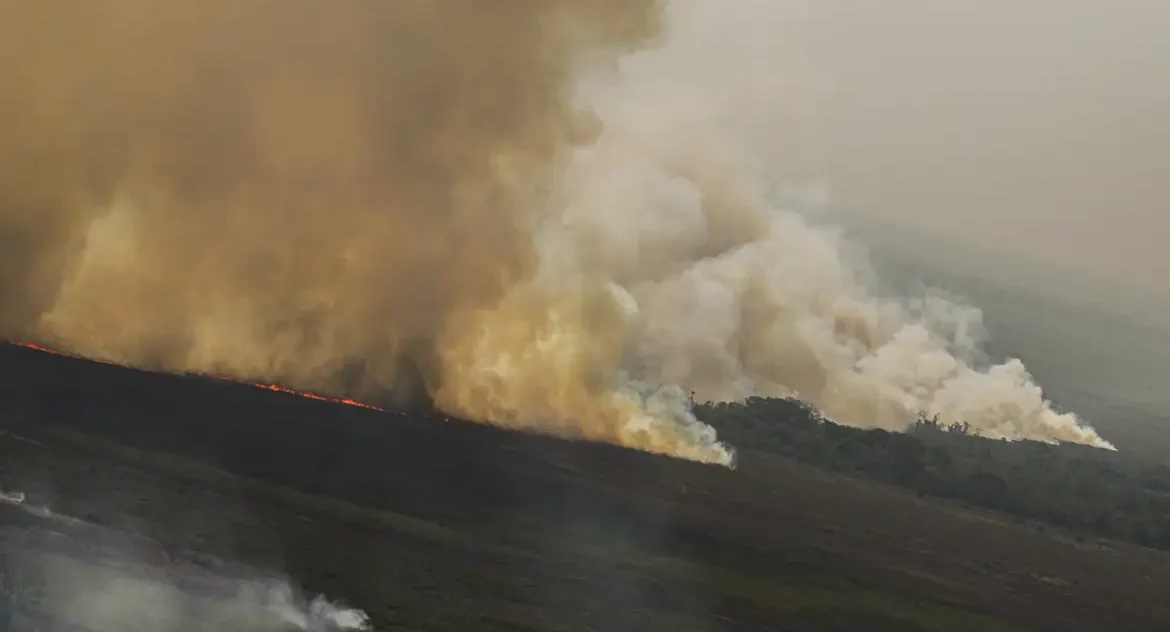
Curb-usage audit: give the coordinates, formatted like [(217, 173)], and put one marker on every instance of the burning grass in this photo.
[(268, 387), (458, 526)]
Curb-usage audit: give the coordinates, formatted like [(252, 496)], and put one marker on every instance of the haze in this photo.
[(1034, 127)]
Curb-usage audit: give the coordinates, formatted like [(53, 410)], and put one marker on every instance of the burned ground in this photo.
[(429, 523)]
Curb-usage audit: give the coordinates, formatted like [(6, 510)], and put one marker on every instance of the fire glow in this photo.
[(267, 387)]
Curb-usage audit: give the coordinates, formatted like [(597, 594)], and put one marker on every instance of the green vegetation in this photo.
[(1070, 486)]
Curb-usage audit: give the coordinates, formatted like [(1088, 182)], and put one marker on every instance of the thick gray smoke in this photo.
[(484, 195)]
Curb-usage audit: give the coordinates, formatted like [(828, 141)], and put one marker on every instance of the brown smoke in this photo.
[(306, 191), (458, 198)]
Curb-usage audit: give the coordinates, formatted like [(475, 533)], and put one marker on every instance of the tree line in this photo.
[(1076, 487)]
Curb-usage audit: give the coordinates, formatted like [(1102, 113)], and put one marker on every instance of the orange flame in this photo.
[(267, 387)]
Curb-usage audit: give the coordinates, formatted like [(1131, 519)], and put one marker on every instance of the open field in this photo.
[(433, 524)]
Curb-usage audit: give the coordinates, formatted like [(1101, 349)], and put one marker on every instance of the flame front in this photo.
[(268, 387)]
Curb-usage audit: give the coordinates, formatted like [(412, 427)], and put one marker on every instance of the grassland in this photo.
[(435, 524)]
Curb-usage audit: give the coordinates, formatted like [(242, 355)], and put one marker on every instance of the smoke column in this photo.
[(476, 200)]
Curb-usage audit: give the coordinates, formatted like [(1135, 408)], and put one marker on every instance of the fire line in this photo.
[(268, 387)]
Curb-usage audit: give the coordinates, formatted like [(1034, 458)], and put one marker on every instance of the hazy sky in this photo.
[(1037, 126)]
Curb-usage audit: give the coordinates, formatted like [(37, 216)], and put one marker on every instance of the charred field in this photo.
[(429, 523)]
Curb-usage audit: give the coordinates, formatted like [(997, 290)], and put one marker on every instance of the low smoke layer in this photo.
[(119, 589), (457, 197)]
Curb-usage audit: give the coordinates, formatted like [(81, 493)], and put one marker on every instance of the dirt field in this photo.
[(431, 524)]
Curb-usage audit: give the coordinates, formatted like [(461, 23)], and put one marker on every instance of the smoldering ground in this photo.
[(473, 199)]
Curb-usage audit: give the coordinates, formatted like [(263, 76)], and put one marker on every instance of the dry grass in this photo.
[(433, 526)]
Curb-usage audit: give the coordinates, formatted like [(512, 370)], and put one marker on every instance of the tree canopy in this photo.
[(1076, 487)]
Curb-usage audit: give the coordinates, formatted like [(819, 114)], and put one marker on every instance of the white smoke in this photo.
[(110, 600), (664, 265), (120, 595), (124, 587), (728, 296)]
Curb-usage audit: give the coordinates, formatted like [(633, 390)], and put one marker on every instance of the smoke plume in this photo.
[(463, 198)]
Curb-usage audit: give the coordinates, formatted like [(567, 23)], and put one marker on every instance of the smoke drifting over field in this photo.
[(460, 197), (119, 587)]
